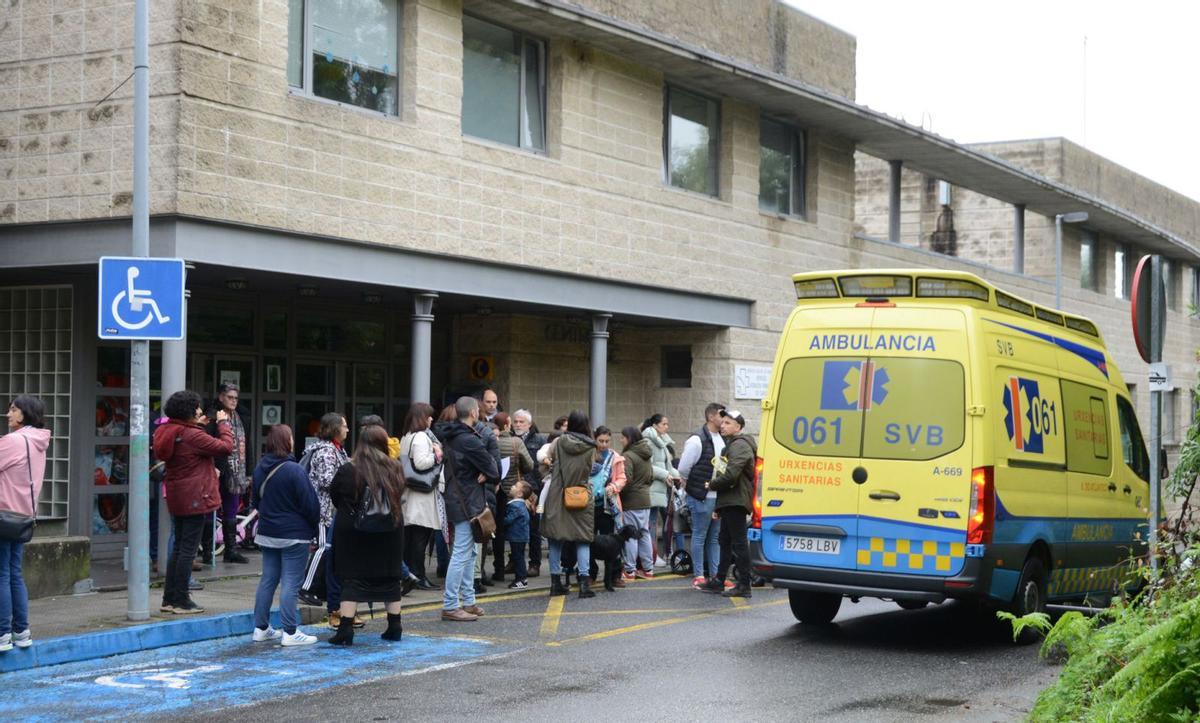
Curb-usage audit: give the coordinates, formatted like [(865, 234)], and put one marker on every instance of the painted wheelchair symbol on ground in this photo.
[(210, 675)]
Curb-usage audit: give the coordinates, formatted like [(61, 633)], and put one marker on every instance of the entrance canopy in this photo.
[(250, 248)]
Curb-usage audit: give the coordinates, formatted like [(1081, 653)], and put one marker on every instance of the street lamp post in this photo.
[(1059, 220)]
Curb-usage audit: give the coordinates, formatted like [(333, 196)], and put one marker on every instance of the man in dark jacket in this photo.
[(735, 490), (469, 467), (696, 466)]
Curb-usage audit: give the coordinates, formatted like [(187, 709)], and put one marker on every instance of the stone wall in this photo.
[(767, 33)]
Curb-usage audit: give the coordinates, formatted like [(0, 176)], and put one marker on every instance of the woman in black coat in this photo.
[(368, 533)]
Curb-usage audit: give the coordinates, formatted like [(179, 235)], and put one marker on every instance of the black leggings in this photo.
[(416, 541)]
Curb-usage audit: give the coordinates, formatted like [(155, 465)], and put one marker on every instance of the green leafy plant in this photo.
[(1140, 658), (1031, 621)]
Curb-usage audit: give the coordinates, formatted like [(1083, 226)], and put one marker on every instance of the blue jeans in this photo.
[(704, 536), (460, 575), (282, 567), (583, 556), (14, 597)]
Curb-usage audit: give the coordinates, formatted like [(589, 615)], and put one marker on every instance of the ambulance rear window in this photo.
[(923, 413), (876, 407)]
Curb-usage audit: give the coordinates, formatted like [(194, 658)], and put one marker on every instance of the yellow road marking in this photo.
[(554, 610), (739, 602), (586, 613), (656, 624)]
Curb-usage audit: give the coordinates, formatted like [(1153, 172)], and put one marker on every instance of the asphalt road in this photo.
[(658, 650)]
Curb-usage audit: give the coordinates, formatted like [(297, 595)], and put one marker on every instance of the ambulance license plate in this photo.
[(819, 545)]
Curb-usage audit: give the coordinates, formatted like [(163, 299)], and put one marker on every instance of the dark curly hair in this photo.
[(182, 405), (33, 410)]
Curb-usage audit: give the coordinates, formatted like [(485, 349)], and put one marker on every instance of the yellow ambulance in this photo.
[(927, 436)]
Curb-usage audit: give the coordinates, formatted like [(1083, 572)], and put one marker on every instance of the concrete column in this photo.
[(1019, 238), (422, 344), (598, 378), (174, 379), (894, 202)]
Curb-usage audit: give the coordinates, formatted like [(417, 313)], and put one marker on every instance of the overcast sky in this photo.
[(989, 71)]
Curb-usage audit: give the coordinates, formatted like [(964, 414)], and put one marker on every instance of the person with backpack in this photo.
[(422, 452), (368, 533), (734, 483), (288, 515), (322, 461)]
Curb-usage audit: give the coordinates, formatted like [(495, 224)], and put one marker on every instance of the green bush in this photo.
[(1138, 660)]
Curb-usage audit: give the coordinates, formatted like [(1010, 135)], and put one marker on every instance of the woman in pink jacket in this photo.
[(22, 469)]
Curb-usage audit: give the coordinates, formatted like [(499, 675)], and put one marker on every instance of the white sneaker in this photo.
[(297, 638), (5, 642), (659, 563), (22, 639), (270, 633)]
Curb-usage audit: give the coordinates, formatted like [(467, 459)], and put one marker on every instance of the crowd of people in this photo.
[(469, 482)]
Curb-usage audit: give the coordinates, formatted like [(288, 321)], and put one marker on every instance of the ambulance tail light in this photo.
[(981, 519), (756, 501)]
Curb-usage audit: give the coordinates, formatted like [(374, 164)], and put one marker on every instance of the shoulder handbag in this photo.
[(374, 514), (483, 525), (15, 527), (577, 498), (262, 489), (419, 480)]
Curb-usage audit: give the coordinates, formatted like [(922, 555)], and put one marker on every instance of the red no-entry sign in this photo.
[(1149, 345)]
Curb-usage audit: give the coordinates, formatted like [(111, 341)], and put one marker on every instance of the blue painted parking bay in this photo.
[(214, 674)]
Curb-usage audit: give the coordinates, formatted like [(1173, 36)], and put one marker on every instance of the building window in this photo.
[(346, 51), (1089, 277), (676, 366), (504, 85), (1170, 403), (1122, 271), (35, 358), (1168, 276), (781, 168), (1195, 290), (691, 132)]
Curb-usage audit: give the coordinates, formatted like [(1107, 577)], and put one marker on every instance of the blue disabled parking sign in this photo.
[(141, 298)]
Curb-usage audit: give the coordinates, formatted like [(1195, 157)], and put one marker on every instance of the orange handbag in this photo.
[(577, 498)]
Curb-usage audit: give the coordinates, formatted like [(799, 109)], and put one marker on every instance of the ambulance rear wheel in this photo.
[(1030, 596), (814, 608)]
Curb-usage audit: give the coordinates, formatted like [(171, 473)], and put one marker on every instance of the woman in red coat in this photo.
[(192, 490)]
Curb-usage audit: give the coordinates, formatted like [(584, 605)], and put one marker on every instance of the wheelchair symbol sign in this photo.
[(141, 298)]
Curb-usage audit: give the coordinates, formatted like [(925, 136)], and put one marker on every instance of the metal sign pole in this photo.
[(1156, 339), (138, 580)]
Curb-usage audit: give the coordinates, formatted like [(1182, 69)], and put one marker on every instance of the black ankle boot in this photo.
[(345, 632), (585, 589), (229, 530), (393, 629), (556, 586)]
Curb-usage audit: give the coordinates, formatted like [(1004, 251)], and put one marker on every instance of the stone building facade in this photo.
[(329, 166)]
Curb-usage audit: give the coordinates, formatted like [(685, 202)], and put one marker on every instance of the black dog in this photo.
[(610, 548)]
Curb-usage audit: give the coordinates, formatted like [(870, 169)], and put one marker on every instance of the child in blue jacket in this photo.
[(516, 531)]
